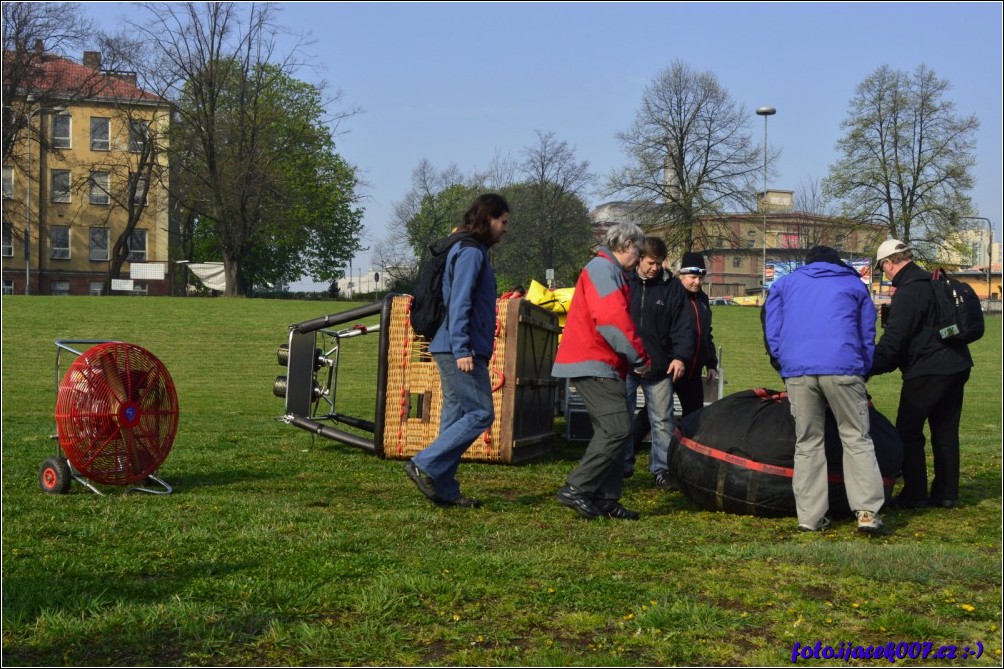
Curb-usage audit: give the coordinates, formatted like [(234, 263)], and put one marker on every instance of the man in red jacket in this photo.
[(598, 347)]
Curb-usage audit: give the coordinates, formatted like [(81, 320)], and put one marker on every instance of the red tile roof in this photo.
[(64, 77)]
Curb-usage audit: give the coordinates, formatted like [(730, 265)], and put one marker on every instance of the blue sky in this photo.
[(456, 83)]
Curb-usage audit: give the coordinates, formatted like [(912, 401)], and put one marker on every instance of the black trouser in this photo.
[(937, 400), (691, 394)]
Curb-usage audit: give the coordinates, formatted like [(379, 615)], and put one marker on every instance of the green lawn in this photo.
[(277, 548)]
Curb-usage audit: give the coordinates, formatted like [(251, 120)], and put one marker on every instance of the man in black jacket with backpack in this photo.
[(934, 378)]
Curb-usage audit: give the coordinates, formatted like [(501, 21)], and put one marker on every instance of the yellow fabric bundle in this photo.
[(557, 300)]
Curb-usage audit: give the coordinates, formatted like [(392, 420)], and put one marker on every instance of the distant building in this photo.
[(91, 163), (735, 245), (362, 283)]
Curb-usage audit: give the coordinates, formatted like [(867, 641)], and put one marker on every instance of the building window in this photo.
[(139, 194), (59, 242), (8, 241), (8, 286), (97, 288), (59, 288), (100, 135), (137, 246), (737, 262), (60, 131), (750, 243), (99, 188), (140, 288), (59, 185), (98, 243), (139, 135), (8, 183)]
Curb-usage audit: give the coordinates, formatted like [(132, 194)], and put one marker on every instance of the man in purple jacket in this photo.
[(820, 326)]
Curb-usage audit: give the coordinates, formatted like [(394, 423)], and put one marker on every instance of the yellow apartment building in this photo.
[(85, 186)]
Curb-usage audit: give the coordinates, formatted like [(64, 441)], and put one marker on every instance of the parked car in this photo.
[(721, 301)]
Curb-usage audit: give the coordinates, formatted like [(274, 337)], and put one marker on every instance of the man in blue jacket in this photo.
[(461, 348), (820, 326)]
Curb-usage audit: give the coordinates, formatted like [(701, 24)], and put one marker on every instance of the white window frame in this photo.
[(59, 194), (139, 135), (59, 251), (140, 288), (99, 143), (98, 190), (97, 288), (8, 286), (59, 288), (8, 240), (135, 254), (60, 141), (95, 252), (8, 183)]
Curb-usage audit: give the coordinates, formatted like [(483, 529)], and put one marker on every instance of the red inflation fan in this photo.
[(116, 418)]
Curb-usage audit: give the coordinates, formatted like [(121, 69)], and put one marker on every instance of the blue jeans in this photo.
[(659, 405), (467, 412)]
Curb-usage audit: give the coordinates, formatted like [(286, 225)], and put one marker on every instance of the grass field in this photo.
[(277, 548)]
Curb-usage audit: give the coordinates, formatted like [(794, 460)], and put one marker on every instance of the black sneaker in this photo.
[(910, 502), (422, 480), (578, 501), (664, 480), (613, 509), (461, 500)]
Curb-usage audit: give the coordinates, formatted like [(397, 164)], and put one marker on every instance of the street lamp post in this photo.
[(765, 112)]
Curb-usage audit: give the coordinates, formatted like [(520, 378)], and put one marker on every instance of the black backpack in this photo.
[(958, 310), (427, 308)]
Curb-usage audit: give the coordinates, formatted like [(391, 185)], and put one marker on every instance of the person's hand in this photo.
[(644, 368), (676, 370), (466, 365), (712, 375)]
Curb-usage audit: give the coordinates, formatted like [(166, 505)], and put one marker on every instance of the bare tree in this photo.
[(549, 225), (907, 157), (33, 34), (690, 155), (434, 206)]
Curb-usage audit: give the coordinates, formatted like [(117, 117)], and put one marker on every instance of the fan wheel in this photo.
[(116, 413), (54, 476)]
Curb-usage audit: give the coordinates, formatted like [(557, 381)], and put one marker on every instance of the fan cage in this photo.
[(116, 413)]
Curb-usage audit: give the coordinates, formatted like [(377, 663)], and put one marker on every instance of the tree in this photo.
[(690, 155), (429, 211), (251, 145), (34, 32), (549, 225), (907, 157)]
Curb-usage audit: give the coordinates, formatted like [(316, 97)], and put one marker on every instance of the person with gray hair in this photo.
[(598, 347)]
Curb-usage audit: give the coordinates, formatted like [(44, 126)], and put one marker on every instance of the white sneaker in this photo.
[(823, 524), (868, 522)]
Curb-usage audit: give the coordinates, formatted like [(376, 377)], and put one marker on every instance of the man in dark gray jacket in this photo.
[(934, 379)]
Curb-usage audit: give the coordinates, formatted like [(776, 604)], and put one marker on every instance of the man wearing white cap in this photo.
[(934, 379)]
